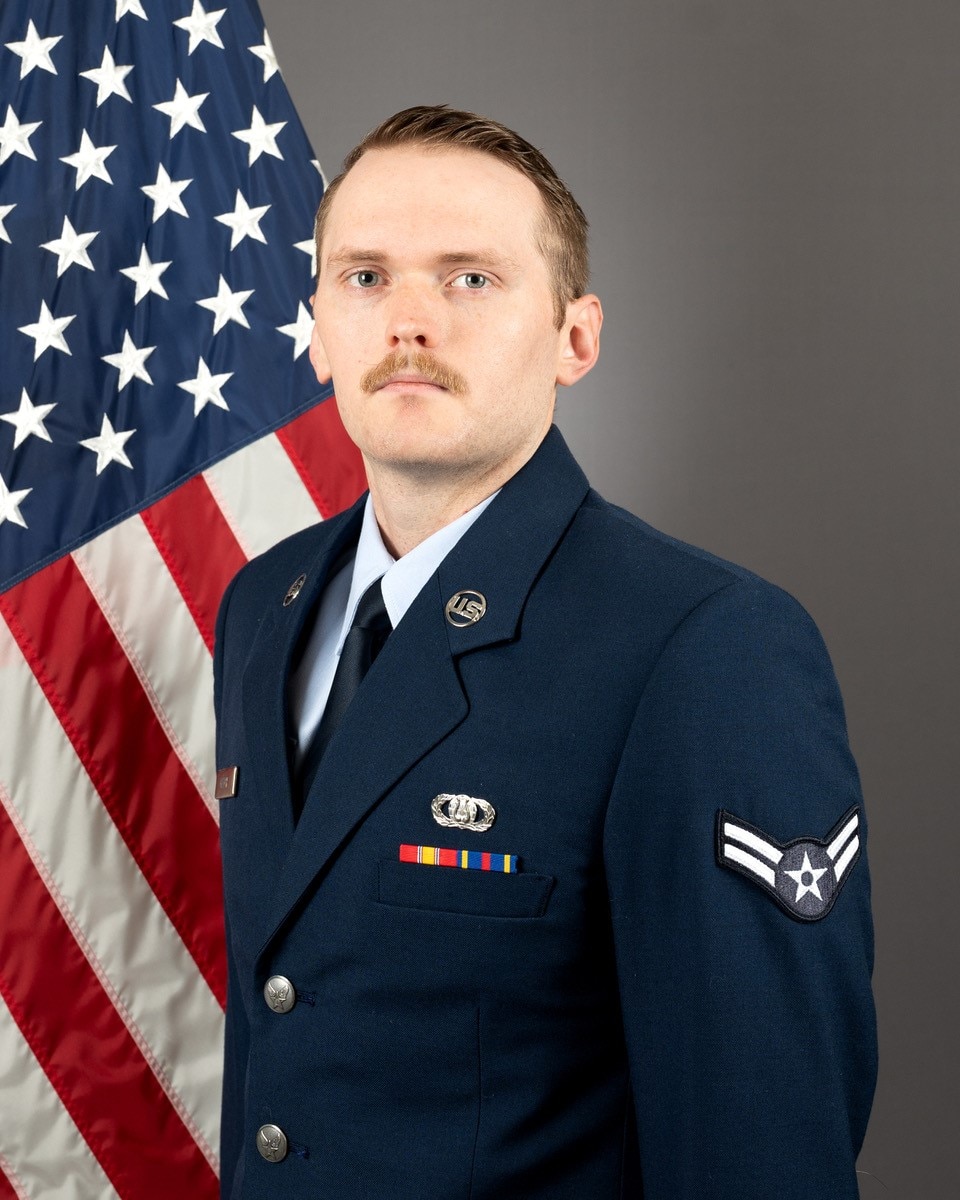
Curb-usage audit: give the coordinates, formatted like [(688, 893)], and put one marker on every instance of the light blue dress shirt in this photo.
[(403, 578)]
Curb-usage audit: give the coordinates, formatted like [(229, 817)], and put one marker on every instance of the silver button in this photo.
[(279, 993), (272, 1143)]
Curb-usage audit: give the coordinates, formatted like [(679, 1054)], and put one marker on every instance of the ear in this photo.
[(579, 339), (318, 356)]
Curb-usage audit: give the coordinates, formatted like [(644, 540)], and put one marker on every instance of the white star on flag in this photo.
[(89, 161), (300, 330), (227, 306), (47, 331), (309, 247), (267, 56), (5, 211), (28, 419), (109, 77), (70, 247), (806, 868), (165, 194), (130, 362), (34, 51), (146, 275), (15, 137), (316, 163), (205, 387), (183, 110), (202, 26), (108, 446), (10, 504), (129, 6), (261, 138), (244, 221)]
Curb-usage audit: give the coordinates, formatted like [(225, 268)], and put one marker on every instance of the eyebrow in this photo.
[(352, 256)]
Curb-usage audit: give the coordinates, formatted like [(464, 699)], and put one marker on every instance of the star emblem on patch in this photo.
[(803, 876)]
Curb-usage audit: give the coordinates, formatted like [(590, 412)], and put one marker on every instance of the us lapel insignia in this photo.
[(465, 608), (803, 876), (463, 812)]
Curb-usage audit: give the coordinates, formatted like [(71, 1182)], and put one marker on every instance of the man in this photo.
[(565, 896)]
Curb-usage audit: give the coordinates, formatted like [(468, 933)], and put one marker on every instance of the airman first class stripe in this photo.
[(470, 860)]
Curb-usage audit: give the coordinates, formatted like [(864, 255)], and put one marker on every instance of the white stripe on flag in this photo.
[(751, 840), (261, 496), (106, 897), (131, 583), (751, 863), (52, 1160)]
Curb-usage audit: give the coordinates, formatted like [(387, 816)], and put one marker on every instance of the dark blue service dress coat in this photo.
[(668, 998)]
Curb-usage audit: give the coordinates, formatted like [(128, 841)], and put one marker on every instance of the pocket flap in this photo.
[(472, 893)]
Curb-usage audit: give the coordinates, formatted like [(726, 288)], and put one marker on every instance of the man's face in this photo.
[(435, 313)]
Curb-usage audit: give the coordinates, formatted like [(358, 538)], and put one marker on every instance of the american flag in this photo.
[(159, 425)]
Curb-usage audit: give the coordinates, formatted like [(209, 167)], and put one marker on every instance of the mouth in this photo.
[(405, 381)]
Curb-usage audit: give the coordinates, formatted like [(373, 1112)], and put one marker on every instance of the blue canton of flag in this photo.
[(157, 194)]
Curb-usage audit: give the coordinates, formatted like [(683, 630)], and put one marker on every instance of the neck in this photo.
[(409, 509)]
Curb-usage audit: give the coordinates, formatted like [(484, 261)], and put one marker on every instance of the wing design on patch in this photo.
[(803, 876)]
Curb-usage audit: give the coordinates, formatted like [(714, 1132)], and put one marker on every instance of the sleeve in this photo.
[(236, 1036), (750, 1030)]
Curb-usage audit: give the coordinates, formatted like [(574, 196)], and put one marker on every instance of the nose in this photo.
[(414, 319)]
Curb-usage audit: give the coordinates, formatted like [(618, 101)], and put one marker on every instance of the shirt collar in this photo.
[(403, 578)]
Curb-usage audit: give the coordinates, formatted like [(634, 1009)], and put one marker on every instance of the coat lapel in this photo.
[(412, 697), (265, 677)]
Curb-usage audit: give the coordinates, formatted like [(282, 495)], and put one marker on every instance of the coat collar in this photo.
[(412, 698), (264, 684)]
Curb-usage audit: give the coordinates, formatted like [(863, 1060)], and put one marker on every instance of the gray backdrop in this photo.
[(774, 192)]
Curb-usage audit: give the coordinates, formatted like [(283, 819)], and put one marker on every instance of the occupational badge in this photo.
[(803, 876), (294, 590), (463, 812), (226, 785)]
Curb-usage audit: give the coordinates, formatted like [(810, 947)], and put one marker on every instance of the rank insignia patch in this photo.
[(803, 876)]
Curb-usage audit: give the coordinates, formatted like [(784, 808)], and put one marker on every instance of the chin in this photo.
[(423, 446)]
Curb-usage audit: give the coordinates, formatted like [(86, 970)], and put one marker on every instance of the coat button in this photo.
[(279, 994), (272, 1143)]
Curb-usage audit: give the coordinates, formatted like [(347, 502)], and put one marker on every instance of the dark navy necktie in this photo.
[(370, 629)]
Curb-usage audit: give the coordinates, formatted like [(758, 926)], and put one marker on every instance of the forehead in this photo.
[(411, 194)]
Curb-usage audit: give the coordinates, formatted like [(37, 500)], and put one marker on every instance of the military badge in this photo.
[(803, 876), (463, 812), (466, 860)]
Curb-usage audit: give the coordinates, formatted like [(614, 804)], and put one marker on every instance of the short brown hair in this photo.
[(563, 237)]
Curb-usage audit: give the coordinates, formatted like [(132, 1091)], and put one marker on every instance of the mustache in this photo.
[(424, 365)]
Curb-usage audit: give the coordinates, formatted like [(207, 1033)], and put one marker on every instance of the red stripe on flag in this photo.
[(83, 1045), (7, 1190), (326, 460), (91, 686), (198, 546)]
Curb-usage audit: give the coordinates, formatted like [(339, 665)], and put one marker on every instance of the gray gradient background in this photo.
[(774, 193)]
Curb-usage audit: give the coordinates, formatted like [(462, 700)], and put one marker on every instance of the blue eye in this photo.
[(365, 279), (472, 280)]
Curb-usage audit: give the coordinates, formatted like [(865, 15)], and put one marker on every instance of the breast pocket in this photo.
[(472, 893)]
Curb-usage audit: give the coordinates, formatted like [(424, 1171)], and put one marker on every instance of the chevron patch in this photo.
[(803, 876)]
